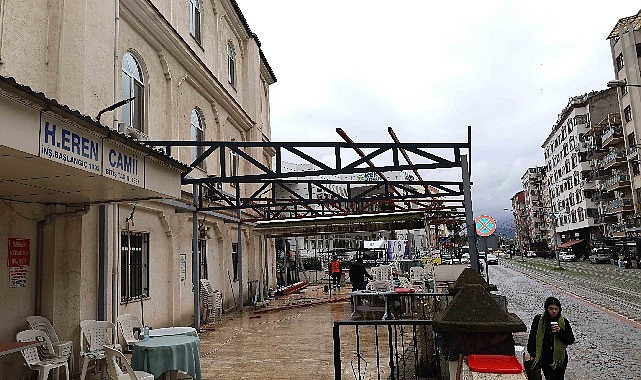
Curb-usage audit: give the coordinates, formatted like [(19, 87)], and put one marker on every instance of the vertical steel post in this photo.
[(195, 258), (239, 251), (469, 214)]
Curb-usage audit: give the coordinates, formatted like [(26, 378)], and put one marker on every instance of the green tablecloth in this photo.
[(166, 353)]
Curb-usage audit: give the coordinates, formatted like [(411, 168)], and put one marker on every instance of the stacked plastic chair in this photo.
[(61, 348), (33, 358)]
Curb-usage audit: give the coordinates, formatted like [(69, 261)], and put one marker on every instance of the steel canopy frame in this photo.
[(411, 193)]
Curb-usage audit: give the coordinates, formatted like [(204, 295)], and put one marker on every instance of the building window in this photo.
[(619, 61), (627, 114), (624, 89), (231, 64), (194, 19), (202, 252), (134, 266), (197, 134), (132, 87), (234, 259)]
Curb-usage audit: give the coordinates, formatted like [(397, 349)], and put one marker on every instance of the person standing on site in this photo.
[(550, 334), (357, 274), (335, 272)]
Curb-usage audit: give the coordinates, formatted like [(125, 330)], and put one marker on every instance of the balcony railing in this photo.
[(612, 135), (615, 181), (619, 203), (612, 157)]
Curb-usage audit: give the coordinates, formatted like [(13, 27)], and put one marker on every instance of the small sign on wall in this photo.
[(183, 267), (19, 252), (18, 277)]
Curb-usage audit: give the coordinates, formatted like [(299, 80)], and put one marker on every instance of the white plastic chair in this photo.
[(116, 361), (417, 276), (60, 348), (379, 286), (382, 273), (94, 336), (126, 325), (32, 358)]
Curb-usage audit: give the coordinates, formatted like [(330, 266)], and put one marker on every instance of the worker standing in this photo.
[(335, 272)]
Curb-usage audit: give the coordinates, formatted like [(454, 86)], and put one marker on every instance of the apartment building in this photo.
[(534, 212), (98, 221), (521, 224), (573, 154), (625, 46)]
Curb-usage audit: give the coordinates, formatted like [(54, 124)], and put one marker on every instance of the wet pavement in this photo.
[(291, 338), (293, 341)]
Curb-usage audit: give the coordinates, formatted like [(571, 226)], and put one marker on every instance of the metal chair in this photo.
[(33, 359), (60, 348), (127, 323), (94, 336), (116, 362)]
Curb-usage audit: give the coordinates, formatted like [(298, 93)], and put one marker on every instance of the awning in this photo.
[(570, 243)]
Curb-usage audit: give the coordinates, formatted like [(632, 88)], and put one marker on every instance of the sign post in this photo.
[(485, 226)]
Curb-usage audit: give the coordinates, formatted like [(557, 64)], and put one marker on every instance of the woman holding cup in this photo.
[(550, 334)]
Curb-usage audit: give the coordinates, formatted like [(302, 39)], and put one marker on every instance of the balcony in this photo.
[(601, 173), (633, 152), (605, 219), (619, 205), (600, 196), (615, 182), (614, 159), (612, 136), (596, 152)]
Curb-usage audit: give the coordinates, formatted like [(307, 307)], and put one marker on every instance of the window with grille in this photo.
[(627, 114), (619, 62), (134, 265), (234, 259), (202, 251), (231, 64)]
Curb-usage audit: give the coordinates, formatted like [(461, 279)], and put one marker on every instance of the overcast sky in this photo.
[(429, 69)]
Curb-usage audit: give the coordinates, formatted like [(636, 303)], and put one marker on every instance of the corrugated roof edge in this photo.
[(9, 84)]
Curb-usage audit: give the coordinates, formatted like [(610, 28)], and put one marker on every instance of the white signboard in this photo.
[(123, 164), (69, 145), (18, 277)]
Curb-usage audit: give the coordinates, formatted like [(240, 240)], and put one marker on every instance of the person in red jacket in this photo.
[(335, 272)]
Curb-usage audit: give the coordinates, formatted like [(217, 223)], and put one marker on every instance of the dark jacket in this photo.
[(357, 272), (566, 336)]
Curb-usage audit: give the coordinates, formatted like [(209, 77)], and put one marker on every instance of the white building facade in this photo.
[(91, 239)]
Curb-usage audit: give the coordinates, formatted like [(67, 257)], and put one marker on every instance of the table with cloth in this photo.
[(170, 353), (168, 331)]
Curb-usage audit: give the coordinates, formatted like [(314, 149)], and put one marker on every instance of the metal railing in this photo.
[(404, 348), (394, 350)]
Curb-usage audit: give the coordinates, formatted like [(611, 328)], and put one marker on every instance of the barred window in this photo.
[(134, 265), (202, 251), (234, 259)]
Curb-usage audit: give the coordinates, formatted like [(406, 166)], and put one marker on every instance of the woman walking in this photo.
[(550, 334)]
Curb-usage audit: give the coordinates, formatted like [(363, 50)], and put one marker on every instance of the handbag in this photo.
[(531, 371)]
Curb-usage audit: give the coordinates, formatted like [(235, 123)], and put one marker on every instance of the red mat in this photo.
[(494, 363)]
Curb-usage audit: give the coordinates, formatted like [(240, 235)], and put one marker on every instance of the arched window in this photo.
[(197, 134), (231, 63), (132, 87)]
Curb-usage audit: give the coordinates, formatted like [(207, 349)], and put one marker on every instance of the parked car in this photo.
[(530, 254), (447, 259), (465, 258), (567, 256), (600, 255), (491, 259)]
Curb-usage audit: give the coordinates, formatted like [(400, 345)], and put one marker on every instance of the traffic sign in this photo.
[(485, 225)]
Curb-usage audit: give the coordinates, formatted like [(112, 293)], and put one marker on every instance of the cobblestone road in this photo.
[(607, 345)]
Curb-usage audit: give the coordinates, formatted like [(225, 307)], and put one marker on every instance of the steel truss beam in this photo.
[(278, 193)]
